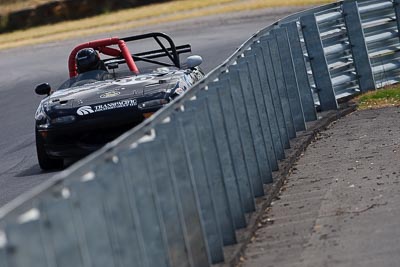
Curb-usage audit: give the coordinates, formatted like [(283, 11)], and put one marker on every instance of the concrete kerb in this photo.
[(233, 254)]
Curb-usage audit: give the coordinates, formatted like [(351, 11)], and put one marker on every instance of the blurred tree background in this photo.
[(22, 14)]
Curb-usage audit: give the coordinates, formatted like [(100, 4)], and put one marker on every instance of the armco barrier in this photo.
[(173, 191)]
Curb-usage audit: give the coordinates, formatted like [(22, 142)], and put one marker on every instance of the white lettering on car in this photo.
[(85, 110)]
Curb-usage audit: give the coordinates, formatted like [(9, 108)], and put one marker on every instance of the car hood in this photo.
[(134, 87)]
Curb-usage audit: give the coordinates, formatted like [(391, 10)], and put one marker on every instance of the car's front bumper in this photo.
[(81, 138)]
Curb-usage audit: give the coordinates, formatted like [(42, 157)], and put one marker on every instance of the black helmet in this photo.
[(87, 59)]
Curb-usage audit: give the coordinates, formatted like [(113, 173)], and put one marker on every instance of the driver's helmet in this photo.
[(87, 59)]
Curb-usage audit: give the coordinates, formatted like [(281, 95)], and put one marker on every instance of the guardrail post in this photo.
[(251, 58), (62, 233), (248, 88), (214, 169), (161, 175), (359, 49), (304, 86), (145, 207), (88, 210), (3, 256), (290, 79), (245, 132), (118, 213), (225, 157), (281, 85), (269, 104), (238, 158), (319, 65), (269, 58), (396, 6), (185, 191), (204, 188), (25, 246)]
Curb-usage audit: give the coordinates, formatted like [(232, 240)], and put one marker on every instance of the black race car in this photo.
[(100, 102)]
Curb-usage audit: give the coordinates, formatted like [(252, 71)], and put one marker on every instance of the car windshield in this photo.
[(86, 78)]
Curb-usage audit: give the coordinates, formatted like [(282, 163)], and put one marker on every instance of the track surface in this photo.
[(214, 38)]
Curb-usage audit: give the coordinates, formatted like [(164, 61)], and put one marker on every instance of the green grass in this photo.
[(137, 17), (388, 97)]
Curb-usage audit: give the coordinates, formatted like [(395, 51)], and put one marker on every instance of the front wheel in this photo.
[(45, 162)]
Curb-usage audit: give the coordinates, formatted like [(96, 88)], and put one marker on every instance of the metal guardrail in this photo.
[(215, 147)]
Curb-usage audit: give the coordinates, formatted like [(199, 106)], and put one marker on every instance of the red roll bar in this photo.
[(102, 46)]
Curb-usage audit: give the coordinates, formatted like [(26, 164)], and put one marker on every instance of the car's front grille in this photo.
[(102, 136)]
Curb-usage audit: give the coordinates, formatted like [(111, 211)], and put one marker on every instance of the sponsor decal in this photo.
[(179, 91), (116, 105), (110, 94), (136, 92), (85, 110), (187, 80), (143, 78)]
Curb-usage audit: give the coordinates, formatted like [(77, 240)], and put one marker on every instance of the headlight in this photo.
[(153, 103), (40, 115), (64, 119)]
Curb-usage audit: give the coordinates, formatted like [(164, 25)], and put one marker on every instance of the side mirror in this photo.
[(43, 89), (193, 61)]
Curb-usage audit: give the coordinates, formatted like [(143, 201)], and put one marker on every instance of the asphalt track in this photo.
[(214, 38)]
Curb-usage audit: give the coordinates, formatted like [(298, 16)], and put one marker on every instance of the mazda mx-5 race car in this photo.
[(94, 106)]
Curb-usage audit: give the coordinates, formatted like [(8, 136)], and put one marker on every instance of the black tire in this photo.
[(45, 162)]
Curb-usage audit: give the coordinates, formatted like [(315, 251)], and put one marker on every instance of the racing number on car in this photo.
[(135, 80)]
